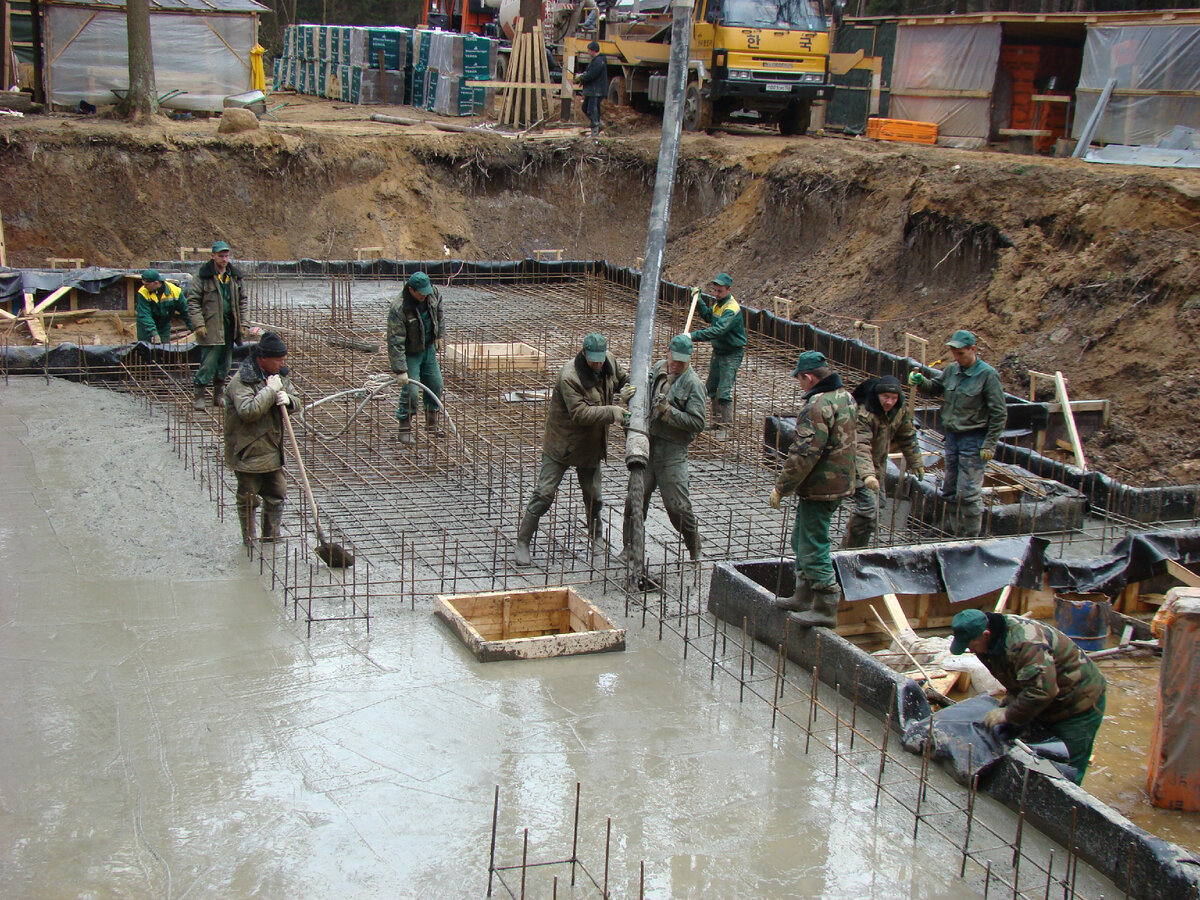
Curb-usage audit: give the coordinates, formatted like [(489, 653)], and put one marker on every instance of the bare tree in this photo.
[(143, 96)]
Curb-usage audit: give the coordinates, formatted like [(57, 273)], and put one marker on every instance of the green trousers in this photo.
[(422, 367), (722, 372), (810, 542), (215, 359), (1079, 734)]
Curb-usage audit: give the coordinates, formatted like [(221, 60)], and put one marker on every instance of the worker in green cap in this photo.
[(1047, 677), (415, 334), (582, 406), (973, 417), (676, 416), (217, 311), (820, 471), (727, 334), (154, 304)]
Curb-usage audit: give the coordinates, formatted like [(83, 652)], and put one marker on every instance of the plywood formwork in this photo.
[(516, 356)]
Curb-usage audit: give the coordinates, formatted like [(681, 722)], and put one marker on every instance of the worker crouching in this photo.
[(254, 434)]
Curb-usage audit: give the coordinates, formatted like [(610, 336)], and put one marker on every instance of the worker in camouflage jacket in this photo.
[(415, 333), (154, 304), (584, 403), (217, 310), (254, 434), (727, 334), (676, 416), (1047, 677), (973, 417), (883, 419), (820, 471)]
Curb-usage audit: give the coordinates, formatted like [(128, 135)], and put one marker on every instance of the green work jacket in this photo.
[(155, 308), (686, 399), (820, 462), (727, 332), (973, 399)]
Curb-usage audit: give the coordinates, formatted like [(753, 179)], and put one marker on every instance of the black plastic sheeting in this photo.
[(74, 361), (960, 570), (1138, 557), (14, 283)]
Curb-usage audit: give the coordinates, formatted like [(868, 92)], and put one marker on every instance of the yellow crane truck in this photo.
[(765, 59)]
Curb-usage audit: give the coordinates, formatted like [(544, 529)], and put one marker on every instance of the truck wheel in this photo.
[(697, 112), (617, 95), (795, 118)]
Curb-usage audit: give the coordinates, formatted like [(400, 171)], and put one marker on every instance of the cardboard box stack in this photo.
[(342, 63), (443, 63)]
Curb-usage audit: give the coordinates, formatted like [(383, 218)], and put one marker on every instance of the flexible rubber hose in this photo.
[(372, 387)]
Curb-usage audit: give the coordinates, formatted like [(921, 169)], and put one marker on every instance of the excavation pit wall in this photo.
[(1144, 865)]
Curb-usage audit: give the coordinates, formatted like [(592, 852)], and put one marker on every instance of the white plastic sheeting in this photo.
[(208, 56), (946, 59), (1143, 58)]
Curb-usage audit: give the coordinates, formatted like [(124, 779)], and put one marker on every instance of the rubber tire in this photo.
[(617, 95), (697, 112), (795, 119)]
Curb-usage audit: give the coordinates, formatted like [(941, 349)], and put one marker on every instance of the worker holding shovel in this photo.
[(415, 332), (254, 434)]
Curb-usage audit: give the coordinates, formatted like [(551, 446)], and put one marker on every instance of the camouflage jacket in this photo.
[(1046, 675), (253, 426), (820, 463), (583, 405), (686, 399), (876, 430)]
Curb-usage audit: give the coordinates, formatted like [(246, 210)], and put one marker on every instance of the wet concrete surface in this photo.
[(167, 731)]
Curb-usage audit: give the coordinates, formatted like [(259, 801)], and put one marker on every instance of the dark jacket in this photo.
[(1045, 673), (876, 430), (582, 407), (204, 306), (405, 330), (820, 462), (595, 77), (974, 400), (686, 398), (253, 424)]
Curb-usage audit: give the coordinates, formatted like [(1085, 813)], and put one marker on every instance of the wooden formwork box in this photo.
[(528, 624), (516, 356)]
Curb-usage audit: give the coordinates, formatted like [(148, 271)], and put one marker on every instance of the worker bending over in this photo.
[(154, 304)]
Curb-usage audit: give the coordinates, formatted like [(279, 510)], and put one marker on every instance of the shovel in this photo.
[(333, 555)]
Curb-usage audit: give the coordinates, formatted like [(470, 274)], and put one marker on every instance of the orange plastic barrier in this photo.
[(1173, 780), (902, 130)]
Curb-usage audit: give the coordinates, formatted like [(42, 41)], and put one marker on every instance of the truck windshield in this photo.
[(803, 15)]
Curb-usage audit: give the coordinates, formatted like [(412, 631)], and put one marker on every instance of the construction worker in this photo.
[(973, 417), (727, 333), (582, 406), (1047, 677), (595, 85), (154, 304), (415, 330), (819, 469), (254, 434), (883, 417), (216, 309), (676, 417)]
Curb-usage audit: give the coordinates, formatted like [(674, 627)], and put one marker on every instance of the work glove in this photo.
[(439, 345), (282, 398), (696, 295), (661, 406), (918, 472), (994, 717), (871, 483), (627, 392), (916, 379), (154, 338), (624, 419), (774, 499), (987, 455), (402, 379), (275, 383), (200, 332)]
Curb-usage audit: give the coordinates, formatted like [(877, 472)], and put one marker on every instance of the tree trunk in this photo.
[(531, 11), (143, 96)]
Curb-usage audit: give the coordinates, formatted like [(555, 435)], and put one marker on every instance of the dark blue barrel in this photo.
[(1083, 621)]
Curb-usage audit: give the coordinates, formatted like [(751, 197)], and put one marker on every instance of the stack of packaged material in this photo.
[(342, 63), (443, 63)]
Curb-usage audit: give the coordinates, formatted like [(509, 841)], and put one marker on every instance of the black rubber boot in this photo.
[(271, 515), (200, 397), (692, 542), (218, 395), (246, 505), (529, 524), (406, 433), (801, 599), (433, 423), (858, 533), (824, 608)]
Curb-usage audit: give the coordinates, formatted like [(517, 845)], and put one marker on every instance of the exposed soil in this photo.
[(1055, 264)]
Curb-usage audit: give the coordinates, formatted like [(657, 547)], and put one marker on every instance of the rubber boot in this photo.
[(246, 505), (406, 433), (200, 396), (724, 415), (969, 525), (218, 395), (714, 420), (595, 533), (824, 608), (801, 599), (271, 515), (858, 533), (692, 542), (529, 524), (433, 423)]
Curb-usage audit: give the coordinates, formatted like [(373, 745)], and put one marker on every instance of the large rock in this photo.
[(235, 121)]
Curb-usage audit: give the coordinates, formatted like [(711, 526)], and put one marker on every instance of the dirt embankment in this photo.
[(1056, 264)]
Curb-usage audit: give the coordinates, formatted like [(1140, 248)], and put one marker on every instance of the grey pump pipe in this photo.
[(637, 439)]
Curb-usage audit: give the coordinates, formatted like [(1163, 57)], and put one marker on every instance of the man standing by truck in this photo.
[(595, 86), (727, 333)]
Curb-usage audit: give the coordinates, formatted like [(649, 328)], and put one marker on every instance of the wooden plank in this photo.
[(899, 619), (3, 246), (540, 85), (923, 611), (1002, 600), (50, 299), (37, 329), (1188, 577), (1060, 389)]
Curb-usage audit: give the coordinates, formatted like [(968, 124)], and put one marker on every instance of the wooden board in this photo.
[(516, 356), (528, 624)]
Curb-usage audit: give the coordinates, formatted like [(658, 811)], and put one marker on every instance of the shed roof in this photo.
[(199, 6)]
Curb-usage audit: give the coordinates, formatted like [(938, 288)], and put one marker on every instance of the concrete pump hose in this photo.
[(373, 385)]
